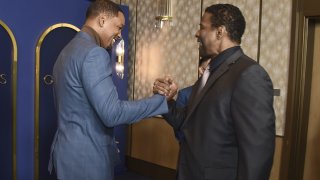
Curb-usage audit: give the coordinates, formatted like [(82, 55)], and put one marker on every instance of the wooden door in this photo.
[(300, 156), (312, 157)]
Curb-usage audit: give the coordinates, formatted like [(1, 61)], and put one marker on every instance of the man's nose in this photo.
[(119, 36), (197, 34)]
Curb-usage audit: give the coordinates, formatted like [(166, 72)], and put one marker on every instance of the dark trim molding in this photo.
[(304, 14), (260, 29), (150, 170)]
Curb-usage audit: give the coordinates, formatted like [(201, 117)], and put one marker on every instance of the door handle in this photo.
[(48, 79), (3, 79)]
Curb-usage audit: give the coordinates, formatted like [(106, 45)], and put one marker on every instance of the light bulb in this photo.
[(120, 59), (119, 70), (120, 48)]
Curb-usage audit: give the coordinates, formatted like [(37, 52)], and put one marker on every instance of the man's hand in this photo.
[(165, 86)]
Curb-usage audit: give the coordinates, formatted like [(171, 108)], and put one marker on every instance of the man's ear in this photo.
[(102, 20), (221, 31)]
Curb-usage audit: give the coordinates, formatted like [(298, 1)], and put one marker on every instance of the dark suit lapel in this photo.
[(194, 92), (197, 98)]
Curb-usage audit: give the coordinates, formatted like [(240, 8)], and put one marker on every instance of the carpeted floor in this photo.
[(131, 176)]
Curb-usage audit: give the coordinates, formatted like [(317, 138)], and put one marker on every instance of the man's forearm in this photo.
[(175, 116)]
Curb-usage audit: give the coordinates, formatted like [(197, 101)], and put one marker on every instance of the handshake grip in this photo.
[(166, 87)]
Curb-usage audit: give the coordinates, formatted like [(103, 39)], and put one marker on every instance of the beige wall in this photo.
[(275, 49), (158, 52), (174, 51)]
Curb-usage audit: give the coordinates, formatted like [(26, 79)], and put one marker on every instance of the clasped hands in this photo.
[(165, 86)]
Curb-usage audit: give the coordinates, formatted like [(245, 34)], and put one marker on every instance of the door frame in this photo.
[(305, 13), (14, 75), (37, 93)]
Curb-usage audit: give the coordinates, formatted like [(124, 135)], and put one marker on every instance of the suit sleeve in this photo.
[(254, 123), (96, 76), (183, 97), (175, 117)]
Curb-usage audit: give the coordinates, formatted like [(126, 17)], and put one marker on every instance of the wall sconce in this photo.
[(164, 14), (120, 59)]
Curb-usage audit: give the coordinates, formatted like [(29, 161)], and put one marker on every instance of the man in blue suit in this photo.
[(87, 102)]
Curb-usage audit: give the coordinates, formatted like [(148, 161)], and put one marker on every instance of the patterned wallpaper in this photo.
[(168, 51), (275, 49), (174, 50)]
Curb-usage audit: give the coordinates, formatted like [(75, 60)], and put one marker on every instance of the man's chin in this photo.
[(110, 45), (202, 52)]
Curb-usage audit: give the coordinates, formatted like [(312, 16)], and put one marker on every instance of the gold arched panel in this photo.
[(14, 94), (47, 79)]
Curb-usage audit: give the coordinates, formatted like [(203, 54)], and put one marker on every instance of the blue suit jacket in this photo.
[(88, 108), (183, 97), (181, 102)]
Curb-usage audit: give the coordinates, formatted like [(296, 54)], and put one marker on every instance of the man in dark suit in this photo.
[(229, 123), (87, 102)]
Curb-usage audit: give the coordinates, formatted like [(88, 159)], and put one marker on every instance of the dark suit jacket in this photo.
[(229, 127)]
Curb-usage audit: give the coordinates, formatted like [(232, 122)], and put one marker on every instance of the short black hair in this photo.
[(229, 16), (103, 6)]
